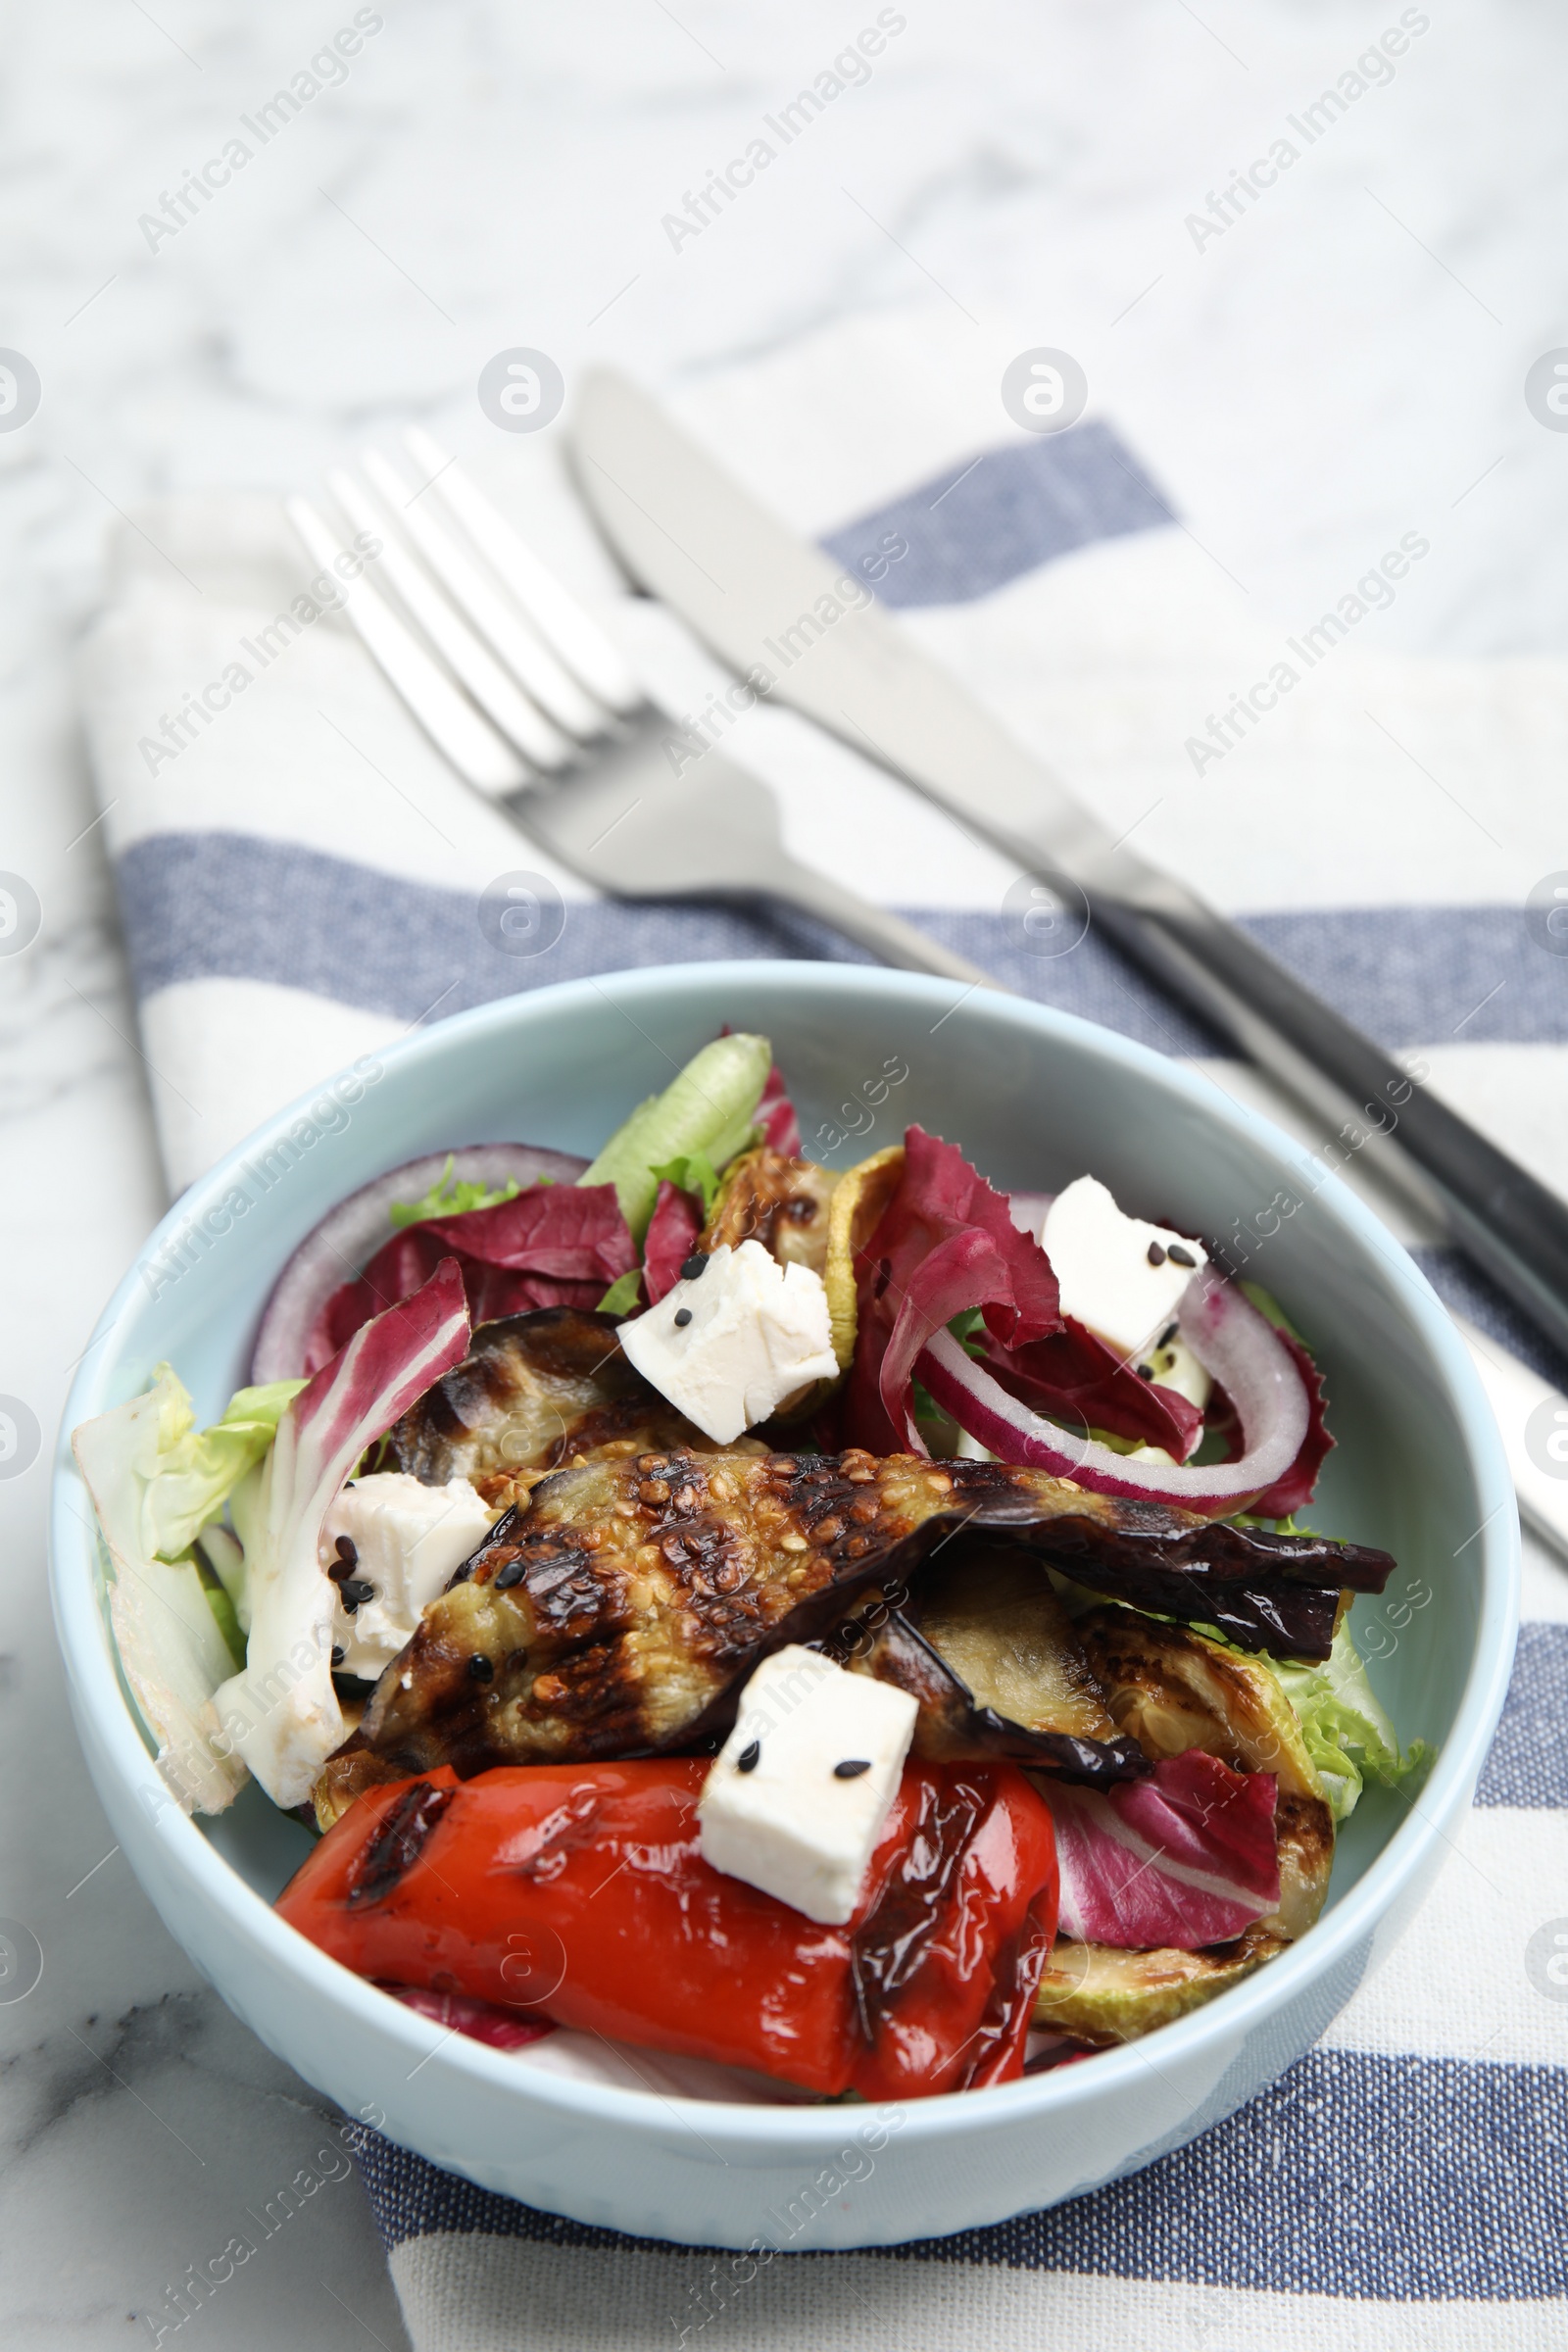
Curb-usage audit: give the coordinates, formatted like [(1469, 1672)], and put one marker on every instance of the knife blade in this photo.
[(765, 602)]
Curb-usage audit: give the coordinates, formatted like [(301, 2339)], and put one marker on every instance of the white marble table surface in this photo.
[(1348, 352)]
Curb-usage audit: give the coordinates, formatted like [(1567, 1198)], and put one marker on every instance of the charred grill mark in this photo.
[(497, 1547), (592, 1692), (397, 1842), (625, 1601), (623, 1424), (572, 1600), (534, 1390), (891, 1942)]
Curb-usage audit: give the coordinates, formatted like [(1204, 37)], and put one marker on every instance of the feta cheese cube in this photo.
[(1120, 1276), (408, 1538), (727, 1346), (776, 1808)]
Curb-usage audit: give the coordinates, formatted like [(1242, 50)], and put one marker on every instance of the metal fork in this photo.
[(534, 706)]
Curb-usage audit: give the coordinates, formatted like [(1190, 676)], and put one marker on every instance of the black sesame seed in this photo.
[(1156, 1254), (511, 1574), (683, 1315), (1180, 1257), (1146, 1371), (1166, 1336), (338, 1654), (852, 1768), (696, 1265), (481, 1669), (746, 1760), (353, 1590), (348, 1551)]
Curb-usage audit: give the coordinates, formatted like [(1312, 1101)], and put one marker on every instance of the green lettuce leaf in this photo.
[(189, 1474), (692, 1172), (623, 1293), (172, 1648), (707, 1111), (448, 1200), (220, 1601), (1348, 1732)]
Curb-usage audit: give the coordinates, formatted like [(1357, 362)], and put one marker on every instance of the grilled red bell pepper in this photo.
[(580, 1893)]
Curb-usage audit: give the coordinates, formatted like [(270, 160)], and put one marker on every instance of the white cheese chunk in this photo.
[(782, 1819), (408, 1538), (755, 1331), (1110, 1281)]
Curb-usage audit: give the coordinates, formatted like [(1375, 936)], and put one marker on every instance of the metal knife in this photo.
[(761, 598)]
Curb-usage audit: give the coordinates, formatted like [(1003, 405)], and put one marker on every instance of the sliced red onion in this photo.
[(349, 1234), (1236, 1346)]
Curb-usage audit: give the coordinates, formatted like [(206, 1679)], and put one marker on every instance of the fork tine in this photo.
[(530, 661), (555, 612), (491, 688), (468, 741)]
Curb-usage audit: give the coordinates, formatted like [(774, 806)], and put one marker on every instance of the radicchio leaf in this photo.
[(1183, 1859), (672, 1235), (555, 1245), (945, 1242), (282, 1713), (1072, 1375), (775, 1116)]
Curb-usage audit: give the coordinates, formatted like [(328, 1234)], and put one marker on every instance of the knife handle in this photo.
[(1512, 1225)]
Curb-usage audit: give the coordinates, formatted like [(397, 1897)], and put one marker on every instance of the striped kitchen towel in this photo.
[(301, 880)]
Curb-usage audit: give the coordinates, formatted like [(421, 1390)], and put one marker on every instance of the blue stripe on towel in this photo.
[(990, 519), (1529, 1761), (201, 904), (1392, 2178)]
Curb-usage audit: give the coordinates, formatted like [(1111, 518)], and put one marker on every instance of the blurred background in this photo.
[(1310, 370)]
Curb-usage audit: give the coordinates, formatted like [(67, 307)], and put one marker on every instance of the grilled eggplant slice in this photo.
[(999, 1624), (853, 1215), (1273, 1591), (1104, 1997), (809, 1215), (619, 1612), (1174, 1691), (993, 1658), (767, 1196), (346, 1775), (534, 1392)]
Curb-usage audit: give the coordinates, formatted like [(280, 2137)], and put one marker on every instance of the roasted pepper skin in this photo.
[(580, 1893)]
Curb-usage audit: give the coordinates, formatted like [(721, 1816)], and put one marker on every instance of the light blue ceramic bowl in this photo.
[(1036, 1098)]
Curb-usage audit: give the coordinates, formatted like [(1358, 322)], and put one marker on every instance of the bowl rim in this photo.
[(1206, 2036)]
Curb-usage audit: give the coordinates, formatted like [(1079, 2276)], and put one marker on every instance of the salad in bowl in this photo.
[(851, 1630)]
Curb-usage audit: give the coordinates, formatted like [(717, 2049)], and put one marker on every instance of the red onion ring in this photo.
[(1235, 1345), (348, 1235)]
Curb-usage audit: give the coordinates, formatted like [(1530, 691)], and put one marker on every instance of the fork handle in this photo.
[(888, 936)]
